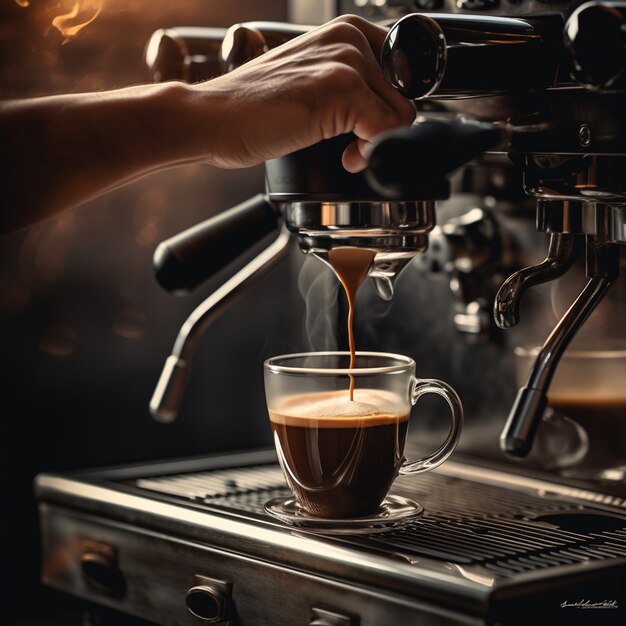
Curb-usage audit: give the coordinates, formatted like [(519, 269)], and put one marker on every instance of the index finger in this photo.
[(374, 34)]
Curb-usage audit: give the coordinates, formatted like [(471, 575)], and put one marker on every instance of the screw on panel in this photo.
[(584, 135)]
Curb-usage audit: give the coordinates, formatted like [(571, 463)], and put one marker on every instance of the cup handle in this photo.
[(419, 388)]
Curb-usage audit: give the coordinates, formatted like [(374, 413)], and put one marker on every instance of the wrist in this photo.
[(209, 109), (183, 124)]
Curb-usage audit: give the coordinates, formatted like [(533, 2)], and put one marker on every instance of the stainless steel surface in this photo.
[(398, 231), (171, 386), (486, 545), (596, 219)]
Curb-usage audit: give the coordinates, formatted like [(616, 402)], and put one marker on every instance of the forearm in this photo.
[(60, 151)]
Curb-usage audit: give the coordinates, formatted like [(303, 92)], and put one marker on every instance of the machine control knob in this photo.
[(189, 53), (595, 37), (441, 55), (241, 44), (208, 603), (101, 571)]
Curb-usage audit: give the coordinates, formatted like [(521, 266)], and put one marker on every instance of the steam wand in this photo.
[(525, 416), (168, 394)]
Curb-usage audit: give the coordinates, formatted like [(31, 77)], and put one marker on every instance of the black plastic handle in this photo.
[(193, 256), (413, 162)]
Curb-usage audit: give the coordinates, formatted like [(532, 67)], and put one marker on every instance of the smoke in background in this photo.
[(324, 325), (319, 289)]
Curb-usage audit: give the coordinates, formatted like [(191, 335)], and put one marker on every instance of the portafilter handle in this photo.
[(408, 162)]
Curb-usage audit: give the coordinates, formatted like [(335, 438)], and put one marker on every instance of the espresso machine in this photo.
[(518, 151)]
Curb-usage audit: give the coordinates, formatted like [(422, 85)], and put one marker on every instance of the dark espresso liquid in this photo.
[(339, 466)]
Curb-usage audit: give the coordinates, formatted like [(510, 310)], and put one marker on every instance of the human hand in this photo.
[(324, 83)]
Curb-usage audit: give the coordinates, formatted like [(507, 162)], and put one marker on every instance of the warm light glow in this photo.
[(22, 3), (82, 13)]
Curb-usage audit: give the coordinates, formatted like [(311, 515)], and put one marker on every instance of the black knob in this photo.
[(427, 54), (101, 572), (595, 37), (209, 604)]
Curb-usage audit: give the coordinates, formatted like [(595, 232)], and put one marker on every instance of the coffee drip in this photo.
[(546, 96)]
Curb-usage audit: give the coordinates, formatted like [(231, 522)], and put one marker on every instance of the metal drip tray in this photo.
[(501, 530), (492, 548)]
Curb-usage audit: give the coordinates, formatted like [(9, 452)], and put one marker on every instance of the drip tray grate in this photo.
[(497, 530)]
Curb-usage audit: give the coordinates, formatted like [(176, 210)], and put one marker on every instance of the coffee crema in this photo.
[(340, 457)]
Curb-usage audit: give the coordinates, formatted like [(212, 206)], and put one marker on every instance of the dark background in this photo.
[(84, 328)]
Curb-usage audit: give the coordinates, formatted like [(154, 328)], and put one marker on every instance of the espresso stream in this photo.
[(351, 266)]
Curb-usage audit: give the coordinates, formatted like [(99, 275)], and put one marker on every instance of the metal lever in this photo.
[(170, 389), (558, 260), (525, 416), (184, 261)]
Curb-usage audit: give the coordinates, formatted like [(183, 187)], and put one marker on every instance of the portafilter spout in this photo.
[(390, 208)]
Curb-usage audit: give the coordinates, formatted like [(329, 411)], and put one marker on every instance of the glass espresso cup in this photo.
[(339, 455)]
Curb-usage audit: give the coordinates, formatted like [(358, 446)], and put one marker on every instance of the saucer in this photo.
[(394, 512)]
